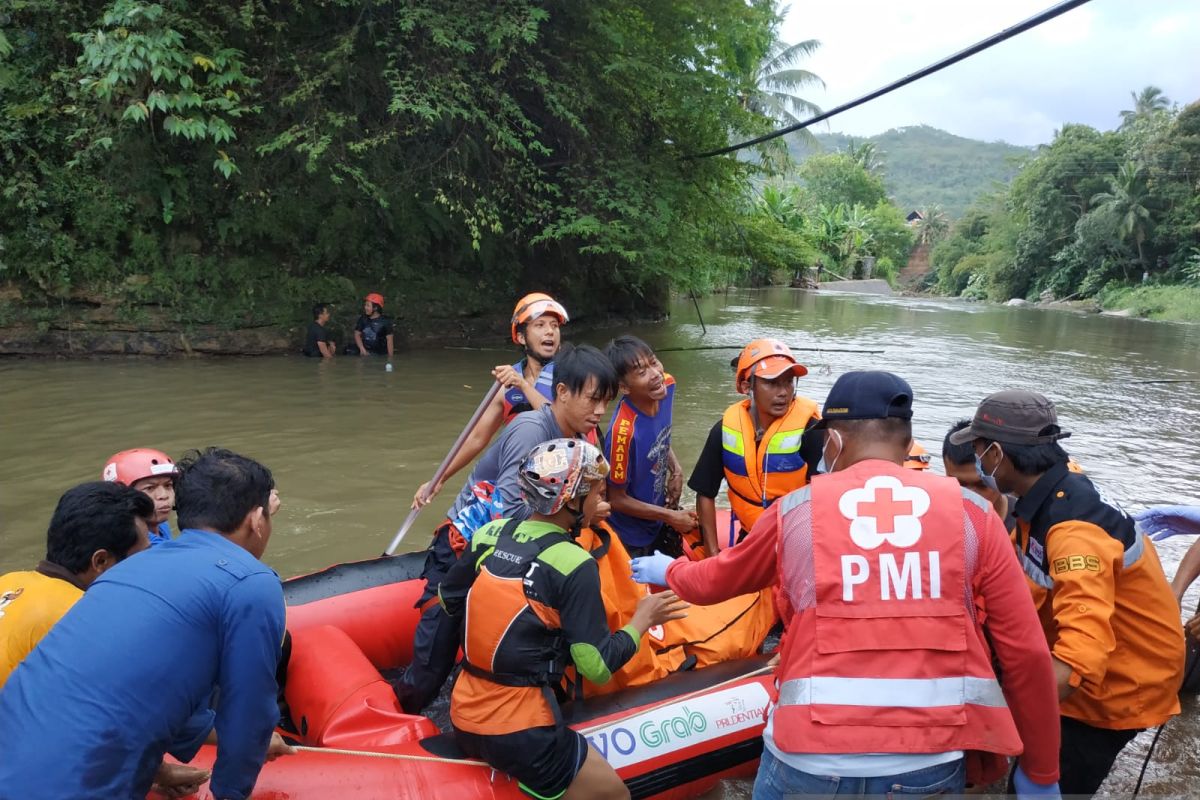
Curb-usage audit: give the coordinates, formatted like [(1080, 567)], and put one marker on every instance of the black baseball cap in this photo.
[(1014, 416), (867, 395)]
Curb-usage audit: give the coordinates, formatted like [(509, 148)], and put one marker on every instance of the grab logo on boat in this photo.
[(680, 725)]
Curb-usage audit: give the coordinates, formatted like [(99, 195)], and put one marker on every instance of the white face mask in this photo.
[(822, 465)]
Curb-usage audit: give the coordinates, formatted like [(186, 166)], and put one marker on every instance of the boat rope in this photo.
[(679, 698), (338, 751)]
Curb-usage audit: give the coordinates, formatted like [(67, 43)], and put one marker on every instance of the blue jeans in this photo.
[(777, 781)]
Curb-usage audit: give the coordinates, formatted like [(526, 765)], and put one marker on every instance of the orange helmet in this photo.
[(532, 306), (766, 358), (918, 457), (130, 466), (376, 298)]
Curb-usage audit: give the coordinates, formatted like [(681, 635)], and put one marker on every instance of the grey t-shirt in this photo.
[(499, 464)]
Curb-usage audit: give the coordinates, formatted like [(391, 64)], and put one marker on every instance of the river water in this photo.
[(349, 443)]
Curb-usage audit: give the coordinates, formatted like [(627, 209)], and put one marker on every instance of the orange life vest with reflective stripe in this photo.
[(885, 653), (760, 472)]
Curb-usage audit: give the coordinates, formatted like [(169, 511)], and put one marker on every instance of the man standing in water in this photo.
[(584, 383), (1107, 610), (885, 678), (374, 333), (112, 687)]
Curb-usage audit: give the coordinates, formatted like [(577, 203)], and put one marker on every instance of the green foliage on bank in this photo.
[(1092, 211), (837, 216), (1169, 303), (233, 162), (925, 166)]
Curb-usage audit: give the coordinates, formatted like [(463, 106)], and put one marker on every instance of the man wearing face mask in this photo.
[(885, 677), (1106, 607)]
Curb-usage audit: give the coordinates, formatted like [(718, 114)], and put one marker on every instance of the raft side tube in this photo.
[(341, 579)]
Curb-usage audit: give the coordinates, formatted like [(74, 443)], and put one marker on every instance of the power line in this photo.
[(978, 47)]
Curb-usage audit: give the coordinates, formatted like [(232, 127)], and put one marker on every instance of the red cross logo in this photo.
[(885, 511)]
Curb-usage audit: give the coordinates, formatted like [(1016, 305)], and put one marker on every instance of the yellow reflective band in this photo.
[(785, 442), (732, 442)]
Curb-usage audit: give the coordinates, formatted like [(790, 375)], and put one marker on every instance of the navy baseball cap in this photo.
[(867, 395)]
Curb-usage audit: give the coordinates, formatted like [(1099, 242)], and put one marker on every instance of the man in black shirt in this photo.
[(374, 333), (317, 341)]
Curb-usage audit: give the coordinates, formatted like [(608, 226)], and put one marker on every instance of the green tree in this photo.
[(1126, 200), (867, 155), (1147, 102), (836, 178), (933, 225), (446, 151), (771, 87)]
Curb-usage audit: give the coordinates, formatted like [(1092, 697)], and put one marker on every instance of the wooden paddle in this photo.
[(441, 470)]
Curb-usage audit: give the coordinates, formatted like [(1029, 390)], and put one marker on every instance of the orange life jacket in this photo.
[(760, 472), (885, 653)]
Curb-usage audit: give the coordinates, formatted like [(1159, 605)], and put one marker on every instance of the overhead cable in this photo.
[(978, 47)]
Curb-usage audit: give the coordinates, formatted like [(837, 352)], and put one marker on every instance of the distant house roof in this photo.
[(914, 216)]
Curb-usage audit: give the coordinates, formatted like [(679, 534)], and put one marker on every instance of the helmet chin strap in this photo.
[(577, 525)]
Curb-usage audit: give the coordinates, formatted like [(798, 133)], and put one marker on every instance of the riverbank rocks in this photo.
[(1017, 301), (1124, 312)]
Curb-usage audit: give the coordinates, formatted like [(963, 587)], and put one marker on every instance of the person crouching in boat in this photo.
[(646, 480), (761, 447), (127, 674), (528, 384), (531, 599), (584, 384), (152, 472), (885, 679)]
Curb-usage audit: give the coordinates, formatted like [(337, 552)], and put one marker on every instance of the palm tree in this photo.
[(933, 225), (867, 155), (1149, 100), (771, 88), (1126, 200)]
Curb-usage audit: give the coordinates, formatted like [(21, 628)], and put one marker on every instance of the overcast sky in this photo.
[(1080, 67)]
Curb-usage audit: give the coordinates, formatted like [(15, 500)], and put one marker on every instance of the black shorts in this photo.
[(543, 760)]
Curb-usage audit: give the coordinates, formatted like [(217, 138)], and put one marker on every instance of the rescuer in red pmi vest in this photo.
[(886, 683)]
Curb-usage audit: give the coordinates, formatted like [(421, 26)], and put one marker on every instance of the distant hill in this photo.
[(924, 165)]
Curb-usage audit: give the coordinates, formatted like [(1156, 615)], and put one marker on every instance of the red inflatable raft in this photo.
[(672, 738)]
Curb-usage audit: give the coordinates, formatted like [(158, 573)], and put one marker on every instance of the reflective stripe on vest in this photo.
[(758, 473), (1034, 572), (892, 692)]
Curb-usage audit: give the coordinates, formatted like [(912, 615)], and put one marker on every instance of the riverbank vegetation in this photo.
[(837, 211), (1091, 215), (927, 166), (231, 163)]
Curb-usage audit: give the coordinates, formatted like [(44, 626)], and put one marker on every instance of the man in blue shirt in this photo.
[(125, 674), (645, 480)]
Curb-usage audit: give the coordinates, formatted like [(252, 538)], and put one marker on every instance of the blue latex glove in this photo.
[(1164, 521), (1027, 788), (652, 569)]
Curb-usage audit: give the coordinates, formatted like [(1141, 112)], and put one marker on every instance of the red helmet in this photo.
[(376, 298), (130, 466), (766, 358), (532, 306)]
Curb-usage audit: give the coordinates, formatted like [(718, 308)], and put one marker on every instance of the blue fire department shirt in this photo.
[(127, 672), (638, 448)]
